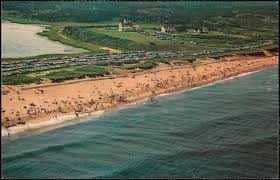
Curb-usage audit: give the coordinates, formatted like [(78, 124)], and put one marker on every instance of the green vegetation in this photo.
[(126, 41), (40, 57), (165, 61), (132, 36), (57, 75), (81, 72), (97, 38), (145, 65), (93, 25), (19, 79), (55, 33), (174, 12)]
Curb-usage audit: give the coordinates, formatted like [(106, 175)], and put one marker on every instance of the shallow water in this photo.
[(226, 130), (21, 40)]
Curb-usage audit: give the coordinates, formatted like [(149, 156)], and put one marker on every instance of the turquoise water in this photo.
[(229, 129)]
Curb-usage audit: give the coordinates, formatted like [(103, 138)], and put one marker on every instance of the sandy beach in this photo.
[(35, 106)]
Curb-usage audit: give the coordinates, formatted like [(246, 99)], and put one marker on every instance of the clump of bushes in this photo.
[(164, 61), (79, 73), (145, 65), (191, 60), (20, 79)]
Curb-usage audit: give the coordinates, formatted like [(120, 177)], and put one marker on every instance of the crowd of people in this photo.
[(150, 84)]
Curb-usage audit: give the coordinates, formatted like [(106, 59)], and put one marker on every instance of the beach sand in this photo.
[(35, 106)]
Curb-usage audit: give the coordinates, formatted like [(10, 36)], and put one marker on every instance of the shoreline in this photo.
[(69, 120), (47, 123)]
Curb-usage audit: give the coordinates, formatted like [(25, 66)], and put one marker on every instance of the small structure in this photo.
[(204, 29), (190, 30), (128, 26), (198, 31), (136, 27), (193, 31), (167, 29)]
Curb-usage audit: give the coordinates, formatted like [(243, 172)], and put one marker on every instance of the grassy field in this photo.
[(126, 41), (133, 36), (92, 37)]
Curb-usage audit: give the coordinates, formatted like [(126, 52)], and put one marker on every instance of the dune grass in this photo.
[(146, 65), (19, 79), (81, 72)]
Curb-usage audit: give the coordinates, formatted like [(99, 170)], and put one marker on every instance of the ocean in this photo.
[(225, 130)]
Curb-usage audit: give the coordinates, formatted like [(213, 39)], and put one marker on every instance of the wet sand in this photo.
[(32, 106)]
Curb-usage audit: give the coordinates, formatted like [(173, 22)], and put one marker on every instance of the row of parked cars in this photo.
[(35, 65)]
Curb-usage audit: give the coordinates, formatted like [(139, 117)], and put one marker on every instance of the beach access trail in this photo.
[(52, 103)]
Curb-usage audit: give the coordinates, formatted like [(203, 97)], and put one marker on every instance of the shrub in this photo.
[(19, 79), (81, 72), (145, 65)]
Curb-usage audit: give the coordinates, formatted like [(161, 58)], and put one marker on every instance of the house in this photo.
[(125, 26), (167, 29), (128, 26)]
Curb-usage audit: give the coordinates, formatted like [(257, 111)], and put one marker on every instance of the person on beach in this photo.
[(154, 100)]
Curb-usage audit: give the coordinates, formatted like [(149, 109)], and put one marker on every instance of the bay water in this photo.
[(22, 40)]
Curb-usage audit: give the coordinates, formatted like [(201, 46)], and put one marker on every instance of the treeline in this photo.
[(171, 12), (241, 18)]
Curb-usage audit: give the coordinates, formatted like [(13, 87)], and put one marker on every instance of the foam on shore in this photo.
[(51, 124)]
